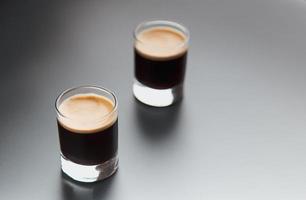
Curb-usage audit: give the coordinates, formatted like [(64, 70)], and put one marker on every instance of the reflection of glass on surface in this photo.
[(72, 190), (157, 124)]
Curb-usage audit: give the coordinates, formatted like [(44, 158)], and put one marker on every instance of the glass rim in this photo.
[(90, 87), (166, 23)]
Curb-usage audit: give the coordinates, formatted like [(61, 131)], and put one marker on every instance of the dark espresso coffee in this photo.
[(160, 57), (89, 132)]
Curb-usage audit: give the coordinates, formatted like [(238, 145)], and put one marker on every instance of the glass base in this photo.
[(89, 173), (157, 97)]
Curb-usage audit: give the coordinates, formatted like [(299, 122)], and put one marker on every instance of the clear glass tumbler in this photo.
[(87, 119), (160, 56)]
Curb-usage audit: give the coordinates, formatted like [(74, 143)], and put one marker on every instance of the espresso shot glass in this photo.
[(87, 120), (160, 55)]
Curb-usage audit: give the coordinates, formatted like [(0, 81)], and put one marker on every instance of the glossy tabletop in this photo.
[(239, 133)]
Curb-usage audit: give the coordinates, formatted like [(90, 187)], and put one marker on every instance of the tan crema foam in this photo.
[(87, 113), (161, 43)]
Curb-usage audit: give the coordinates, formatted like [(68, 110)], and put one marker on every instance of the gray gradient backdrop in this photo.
[(239, 133)]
